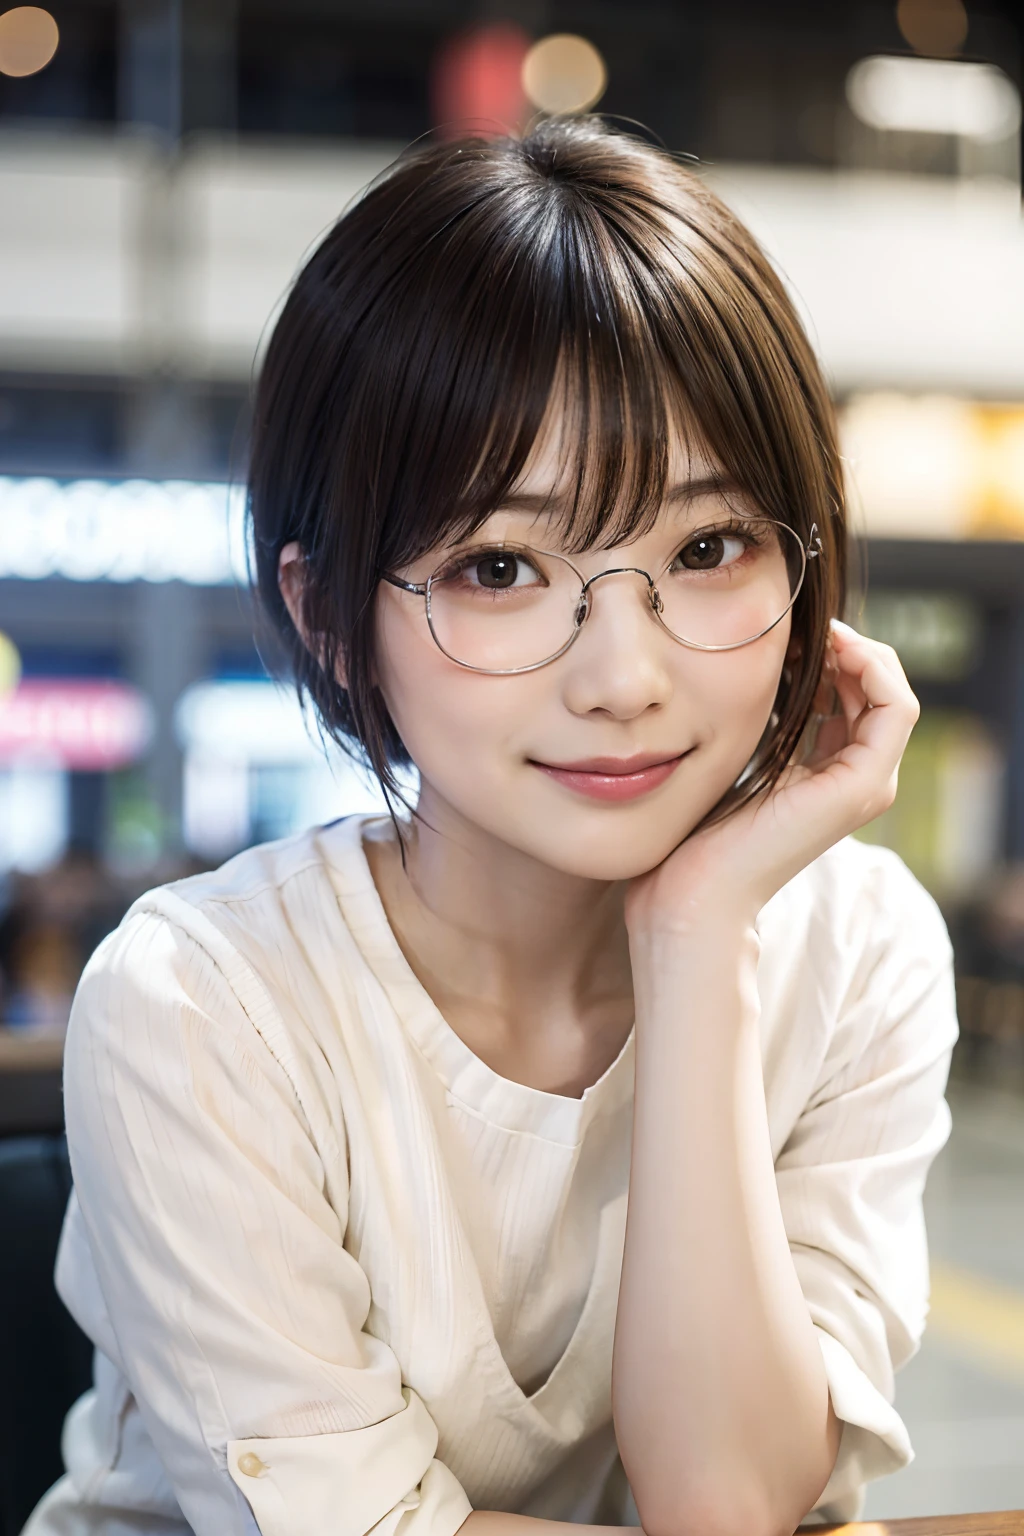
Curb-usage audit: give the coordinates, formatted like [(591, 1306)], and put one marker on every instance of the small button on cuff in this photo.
[(250, 1465)]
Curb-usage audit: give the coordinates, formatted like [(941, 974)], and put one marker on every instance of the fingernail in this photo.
[(844, 629)]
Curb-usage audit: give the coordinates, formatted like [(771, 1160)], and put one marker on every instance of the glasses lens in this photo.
[(728, 585), (504, 608)]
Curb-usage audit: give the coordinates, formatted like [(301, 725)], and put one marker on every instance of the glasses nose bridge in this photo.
[(654, 596)]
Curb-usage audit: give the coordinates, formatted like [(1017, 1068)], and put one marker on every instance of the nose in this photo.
[(618, 665)]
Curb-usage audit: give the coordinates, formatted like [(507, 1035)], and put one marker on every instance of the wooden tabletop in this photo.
[(1003, 1522)]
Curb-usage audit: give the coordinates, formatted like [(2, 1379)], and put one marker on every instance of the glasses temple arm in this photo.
[(419, 587)]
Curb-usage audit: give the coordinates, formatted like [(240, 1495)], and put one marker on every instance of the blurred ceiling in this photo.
[(730, 80), (161, 175), (118, 262)]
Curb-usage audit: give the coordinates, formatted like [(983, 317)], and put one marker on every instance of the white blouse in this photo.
[(343, 1278)]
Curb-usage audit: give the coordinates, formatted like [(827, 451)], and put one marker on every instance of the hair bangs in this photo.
[(591, 375)]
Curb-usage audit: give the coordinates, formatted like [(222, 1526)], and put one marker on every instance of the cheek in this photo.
[(438, 706), (737, 691)]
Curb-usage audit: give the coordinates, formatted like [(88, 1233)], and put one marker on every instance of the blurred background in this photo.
[(164, 165)]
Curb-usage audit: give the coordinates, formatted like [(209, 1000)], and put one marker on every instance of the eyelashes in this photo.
[(752, 530)]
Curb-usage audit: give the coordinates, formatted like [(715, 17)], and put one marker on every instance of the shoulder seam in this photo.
[(243, 981), (225, 898)]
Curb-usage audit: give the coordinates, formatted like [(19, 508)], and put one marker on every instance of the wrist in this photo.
[(693, 896), (710, 964), (720, 921)]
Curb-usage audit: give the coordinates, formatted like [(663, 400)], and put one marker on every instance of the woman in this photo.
[(547, 502)]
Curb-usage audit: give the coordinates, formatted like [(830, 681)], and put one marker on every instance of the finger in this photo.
[(883, 727), (838, 729), (879, 703), (845, 640), (853, 701), (864, 659)]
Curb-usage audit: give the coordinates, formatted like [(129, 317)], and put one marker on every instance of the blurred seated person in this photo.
[(50, 924)]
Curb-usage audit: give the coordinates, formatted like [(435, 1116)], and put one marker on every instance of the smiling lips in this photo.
[(614, 778)]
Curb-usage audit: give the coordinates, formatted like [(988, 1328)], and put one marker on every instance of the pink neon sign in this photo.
[(81, 724)]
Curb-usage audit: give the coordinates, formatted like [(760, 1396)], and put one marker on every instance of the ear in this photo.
[(291, 570), (291, 581)]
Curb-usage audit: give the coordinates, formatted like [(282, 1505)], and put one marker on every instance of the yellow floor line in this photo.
[(980, 1317)]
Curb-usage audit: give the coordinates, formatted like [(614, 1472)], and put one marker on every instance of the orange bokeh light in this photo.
[(933, 27), (28, 40)]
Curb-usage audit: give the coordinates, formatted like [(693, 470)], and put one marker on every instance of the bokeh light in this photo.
[(936, 27), (477, 81), (564, 73), (974, 101), (10, 664), (28, 40)]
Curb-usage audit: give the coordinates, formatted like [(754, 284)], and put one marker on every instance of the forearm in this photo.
[(721, 1402)]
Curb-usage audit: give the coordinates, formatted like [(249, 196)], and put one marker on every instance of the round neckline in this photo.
[(467, 1079)]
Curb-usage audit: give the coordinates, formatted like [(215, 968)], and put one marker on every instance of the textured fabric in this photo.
[(343, 1277)]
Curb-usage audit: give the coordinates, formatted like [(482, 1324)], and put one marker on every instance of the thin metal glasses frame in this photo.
[(810, 551)]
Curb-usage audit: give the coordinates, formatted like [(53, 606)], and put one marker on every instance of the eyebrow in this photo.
[(704, 485), (680, 494)]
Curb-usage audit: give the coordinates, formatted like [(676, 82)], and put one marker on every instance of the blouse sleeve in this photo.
[(851, 1178), (239, 1317)]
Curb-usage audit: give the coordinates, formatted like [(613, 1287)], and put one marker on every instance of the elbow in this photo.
[(719, 1512), (736, 1495)]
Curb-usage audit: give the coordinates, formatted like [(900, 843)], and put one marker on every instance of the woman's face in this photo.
[(624, 695)]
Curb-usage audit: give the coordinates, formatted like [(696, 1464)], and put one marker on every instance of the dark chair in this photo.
[(45, 1359)]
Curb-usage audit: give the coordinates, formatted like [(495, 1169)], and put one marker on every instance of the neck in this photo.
[(530, 965)]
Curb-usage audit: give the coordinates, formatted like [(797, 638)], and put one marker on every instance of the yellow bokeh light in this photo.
[(10, 664), (564, 73), (28, 40), (933, 467)]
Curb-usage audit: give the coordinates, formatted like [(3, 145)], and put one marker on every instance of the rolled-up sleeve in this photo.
[(216, 1223), (851, 1179)]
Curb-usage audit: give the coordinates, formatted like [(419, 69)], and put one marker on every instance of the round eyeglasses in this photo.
[(503, 607)]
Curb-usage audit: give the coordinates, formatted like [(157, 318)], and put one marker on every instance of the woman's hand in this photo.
[(731, 869)]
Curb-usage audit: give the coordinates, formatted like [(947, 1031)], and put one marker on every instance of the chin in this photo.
[(613, 853)]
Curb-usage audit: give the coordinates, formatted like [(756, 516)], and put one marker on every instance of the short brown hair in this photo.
[(417, 353)]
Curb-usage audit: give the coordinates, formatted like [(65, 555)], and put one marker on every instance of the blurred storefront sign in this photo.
[(122, 530), (933, 466), (256, 768), (937, 634), (245, 720), (34, 814), (82, 726), (946, 821)]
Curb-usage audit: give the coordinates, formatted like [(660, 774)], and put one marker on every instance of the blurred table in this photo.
[(1004, 1522), (30, 1083)]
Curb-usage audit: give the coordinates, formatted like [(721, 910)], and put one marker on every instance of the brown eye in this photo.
[(703, 553), (497, 571)]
